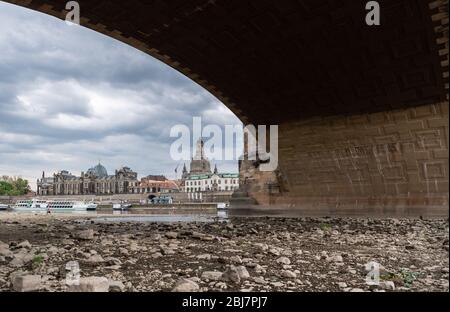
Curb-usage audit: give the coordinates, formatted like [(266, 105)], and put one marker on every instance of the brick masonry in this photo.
[(395, 160)]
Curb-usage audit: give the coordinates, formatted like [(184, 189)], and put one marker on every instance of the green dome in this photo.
[(99, 171)]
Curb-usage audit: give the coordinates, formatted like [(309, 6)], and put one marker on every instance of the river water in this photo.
[(162, 217)]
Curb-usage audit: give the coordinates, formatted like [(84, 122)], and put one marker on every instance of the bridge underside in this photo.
[(363, 111)]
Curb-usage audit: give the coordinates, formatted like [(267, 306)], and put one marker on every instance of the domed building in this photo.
[(99, 171), (200, 164), (200, 178), (95, 181)]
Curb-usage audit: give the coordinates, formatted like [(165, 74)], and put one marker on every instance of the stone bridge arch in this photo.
[(363, 111)]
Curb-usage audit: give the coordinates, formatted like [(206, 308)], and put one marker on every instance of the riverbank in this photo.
[(191, 208), (248, 254)]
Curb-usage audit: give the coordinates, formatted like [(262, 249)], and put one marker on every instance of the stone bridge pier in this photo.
[(390, 163), (362, 110)]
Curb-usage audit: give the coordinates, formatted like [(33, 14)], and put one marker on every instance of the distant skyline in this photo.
[(70, 97)]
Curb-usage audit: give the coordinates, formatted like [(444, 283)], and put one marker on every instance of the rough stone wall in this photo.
[(439, 11), (388, 163)]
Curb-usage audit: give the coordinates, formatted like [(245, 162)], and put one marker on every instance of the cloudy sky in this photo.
[(70, 97)]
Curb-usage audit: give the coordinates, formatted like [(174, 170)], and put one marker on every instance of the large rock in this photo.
[(336, 258), (91, 284), (211, 275), (387, 285), (52, 250), (157, 255), (235, 259), (25, 244), (116, 286), (26, 283), (5, 252), (4, 245), (171, 235), (204, 257), (186, 285), (21, 258), (284, 260), (243, 273), (95, 259), (235, 274), (85, 235), (288, 274)]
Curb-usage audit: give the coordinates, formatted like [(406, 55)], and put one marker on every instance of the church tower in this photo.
[(185, 174), (200, 164)]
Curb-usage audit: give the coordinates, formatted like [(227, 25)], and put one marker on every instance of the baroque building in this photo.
[(95, 181), (200, 178), (151, 186)]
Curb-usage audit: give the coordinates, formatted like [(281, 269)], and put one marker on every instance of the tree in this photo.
[(13, 186), (5, 188)]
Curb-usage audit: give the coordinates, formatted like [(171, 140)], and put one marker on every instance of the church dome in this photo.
[(98, 171)]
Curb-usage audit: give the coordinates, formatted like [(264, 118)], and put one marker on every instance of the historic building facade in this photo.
[(151, 186), (200, 178), (95, 181), (216, 182)]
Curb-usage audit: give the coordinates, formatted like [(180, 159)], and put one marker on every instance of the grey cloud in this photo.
[(70, 96)]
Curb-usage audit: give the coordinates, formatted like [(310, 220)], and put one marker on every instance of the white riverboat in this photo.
[(222, 206), (36, 205), (70, 206), (30, 205), (121, 207), (4, 207)]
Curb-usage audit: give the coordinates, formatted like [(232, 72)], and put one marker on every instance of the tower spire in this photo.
[(200, 163), (199, 152)]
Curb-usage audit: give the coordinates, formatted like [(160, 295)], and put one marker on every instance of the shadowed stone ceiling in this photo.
[(278, 61)]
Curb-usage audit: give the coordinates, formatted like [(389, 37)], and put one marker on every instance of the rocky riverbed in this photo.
[(44, 253)]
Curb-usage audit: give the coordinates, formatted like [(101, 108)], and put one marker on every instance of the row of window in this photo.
[(199, 189), (211, 182)]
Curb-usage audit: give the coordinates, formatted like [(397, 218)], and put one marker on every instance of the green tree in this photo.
[(5, 188), (13, 186)]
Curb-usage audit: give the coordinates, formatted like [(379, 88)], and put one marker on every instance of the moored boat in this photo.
[(30, 205), (36, 205), (222, 206), (121, 207), (70, 206)]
